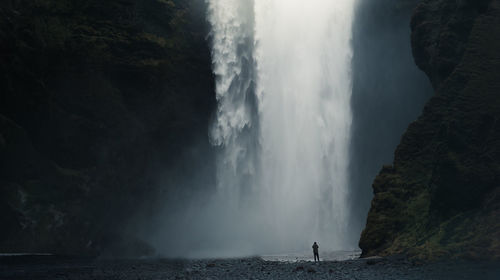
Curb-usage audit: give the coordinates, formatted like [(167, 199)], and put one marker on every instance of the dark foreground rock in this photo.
[(250, 268)]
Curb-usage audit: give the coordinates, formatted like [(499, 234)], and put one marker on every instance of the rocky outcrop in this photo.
[(440, 198), (440, 33), (97, 99)]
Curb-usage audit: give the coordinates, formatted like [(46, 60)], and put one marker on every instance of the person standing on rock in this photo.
[(315, 251)]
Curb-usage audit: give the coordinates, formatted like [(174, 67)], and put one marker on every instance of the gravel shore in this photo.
[(57, 267)]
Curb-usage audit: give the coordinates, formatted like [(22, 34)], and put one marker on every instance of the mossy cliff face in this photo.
[(96, 99), (441, 196)]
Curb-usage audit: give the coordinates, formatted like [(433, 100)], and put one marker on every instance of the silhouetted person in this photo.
[(315, 251)]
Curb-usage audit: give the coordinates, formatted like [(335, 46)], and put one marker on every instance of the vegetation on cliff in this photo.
[(441, 196)]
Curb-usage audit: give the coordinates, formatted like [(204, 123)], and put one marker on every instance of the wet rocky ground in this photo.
[(56, 267)]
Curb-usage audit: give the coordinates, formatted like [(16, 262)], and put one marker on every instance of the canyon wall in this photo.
[(441, 196)]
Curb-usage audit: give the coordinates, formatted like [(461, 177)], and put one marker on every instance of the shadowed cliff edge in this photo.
[(389, 91), (441, 196)]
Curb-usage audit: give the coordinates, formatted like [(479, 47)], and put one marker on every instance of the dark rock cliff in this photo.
[(97, 98), (441, 196)]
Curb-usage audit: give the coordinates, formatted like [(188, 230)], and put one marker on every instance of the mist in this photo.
[(389, 92), (312, 99)]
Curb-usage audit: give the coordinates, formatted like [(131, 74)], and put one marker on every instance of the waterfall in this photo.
[(282, 127)]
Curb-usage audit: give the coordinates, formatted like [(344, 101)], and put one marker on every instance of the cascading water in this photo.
[(283, 122)]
